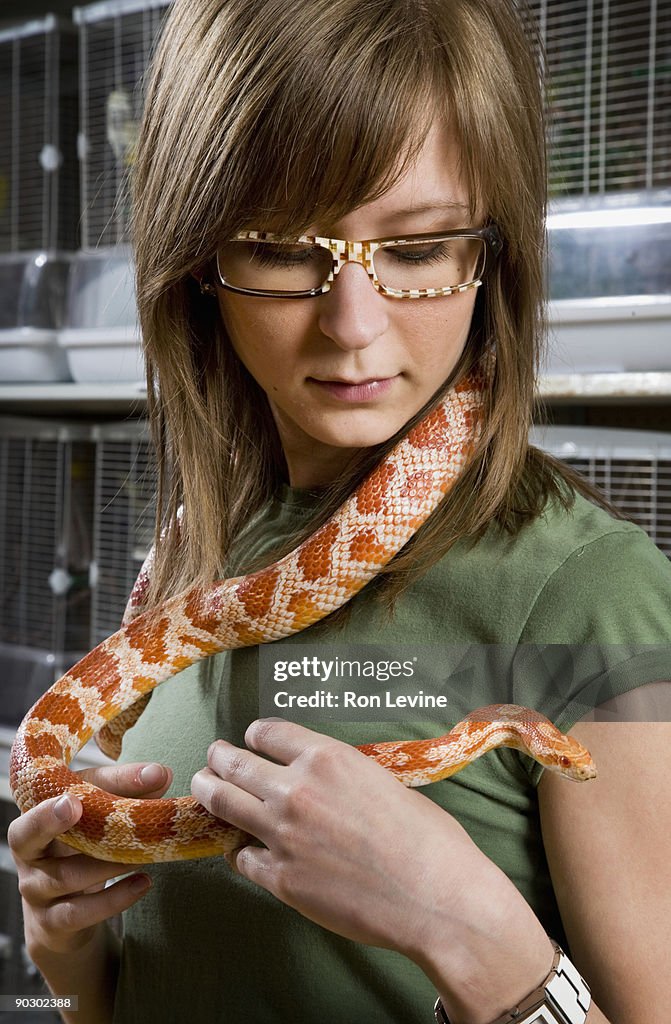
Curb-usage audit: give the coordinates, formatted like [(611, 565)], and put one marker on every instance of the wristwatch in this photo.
[(563, 998)]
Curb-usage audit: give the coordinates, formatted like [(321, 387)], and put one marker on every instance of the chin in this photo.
[(359, 438)]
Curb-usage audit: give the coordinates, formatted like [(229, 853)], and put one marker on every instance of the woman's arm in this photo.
[(90, 974), (66, 902), (608, 846), (348, 846)]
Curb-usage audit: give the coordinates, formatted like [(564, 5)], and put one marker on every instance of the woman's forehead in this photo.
[(427, 193), (430, 189)]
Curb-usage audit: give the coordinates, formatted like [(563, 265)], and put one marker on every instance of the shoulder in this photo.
[(560, 534), (568, 576), (605, 580)]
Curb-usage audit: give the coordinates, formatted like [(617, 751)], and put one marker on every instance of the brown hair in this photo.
[(283, 115)]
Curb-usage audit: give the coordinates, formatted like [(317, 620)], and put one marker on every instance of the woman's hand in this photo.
[(351, 848), (347, 844), (64, 899)]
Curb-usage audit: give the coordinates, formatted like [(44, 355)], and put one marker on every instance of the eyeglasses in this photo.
[(414, 267)]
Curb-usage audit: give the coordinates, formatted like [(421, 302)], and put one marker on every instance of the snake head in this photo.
[(573, 761)]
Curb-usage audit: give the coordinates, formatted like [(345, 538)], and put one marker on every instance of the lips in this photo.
[(352, 391), (351, 383)]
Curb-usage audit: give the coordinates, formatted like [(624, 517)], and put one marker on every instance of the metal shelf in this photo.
[(73, 398), (620, 388)]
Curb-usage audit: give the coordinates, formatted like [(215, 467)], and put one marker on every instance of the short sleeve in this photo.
[(600, 627), (615, 589)]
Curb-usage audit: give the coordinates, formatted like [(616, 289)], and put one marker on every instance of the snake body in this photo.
[(320, 575)]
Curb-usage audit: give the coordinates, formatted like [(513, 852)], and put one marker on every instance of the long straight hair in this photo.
[(266, 113)]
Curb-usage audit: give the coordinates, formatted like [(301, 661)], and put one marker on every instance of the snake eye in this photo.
[(564, 761)]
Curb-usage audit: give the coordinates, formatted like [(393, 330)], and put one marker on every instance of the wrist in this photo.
[(563, 997), (479, 993), (45, 953), (489, 958)]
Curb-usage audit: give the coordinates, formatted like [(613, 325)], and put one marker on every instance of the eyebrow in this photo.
[(429, 207)]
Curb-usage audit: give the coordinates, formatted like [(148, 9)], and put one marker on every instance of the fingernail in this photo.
[(152, 775), (63, 808), (140, 883)]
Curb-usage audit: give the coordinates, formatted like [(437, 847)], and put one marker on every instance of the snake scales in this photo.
[(303, 587)]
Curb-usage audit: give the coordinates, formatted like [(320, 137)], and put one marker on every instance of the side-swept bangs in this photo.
[(281, 115)]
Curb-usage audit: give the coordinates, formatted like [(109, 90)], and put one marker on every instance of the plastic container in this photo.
[(610, 284), (32, 307), (27, 673), (101, 337), (619, 334)]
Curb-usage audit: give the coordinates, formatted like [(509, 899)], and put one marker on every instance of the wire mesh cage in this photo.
[(631, 467), (46, 513), (116, 41), (124, 519), (39, 174), (609, 66)]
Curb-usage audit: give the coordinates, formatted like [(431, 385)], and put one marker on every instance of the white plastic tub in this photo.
[(101, 338), (617, 334), (31, 355), (610, 283), (103, 354), (32, 301)]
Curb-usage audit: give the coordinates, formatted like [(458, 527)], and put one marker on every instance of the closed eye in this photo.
[(420, 254), (283, 255)]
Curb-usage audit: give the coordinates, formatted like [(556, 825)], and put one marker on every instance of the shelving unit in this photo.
[(634, 388), (73, 399), (124, 399)]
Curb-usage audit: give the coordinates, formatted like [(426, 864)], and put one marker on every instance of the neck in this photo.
[(315, 471)]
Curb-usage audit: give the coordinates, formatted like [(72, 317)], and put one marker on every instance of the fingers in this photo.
[(235, 784), (226, 801), (283, 741), (254, 863), (251, 773), (275, 746), (59, 877), (30, 836), (64, 895), (133, 780), (247, 789), (76, 913)]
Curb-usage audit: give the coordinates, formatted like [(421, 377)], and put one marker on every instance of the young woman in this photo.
[(279, 376)]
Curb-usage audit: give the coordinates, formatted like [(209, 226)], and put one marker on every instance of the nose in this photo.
[(353, 314)]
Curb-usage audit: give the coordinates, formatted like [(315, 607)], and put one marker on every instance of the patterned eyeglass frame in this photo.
[(344, 251)]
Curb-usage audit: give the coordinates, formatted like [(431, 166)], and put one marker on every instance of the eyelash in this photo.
[(434, 256), (269, 256), (273, 257)]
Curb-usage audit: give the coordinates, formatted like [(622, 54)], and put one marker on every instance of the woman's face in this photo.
[(347, 369)]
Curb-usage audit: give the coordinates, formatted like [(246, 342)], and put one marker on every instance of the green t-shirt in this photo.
[(207, 946)]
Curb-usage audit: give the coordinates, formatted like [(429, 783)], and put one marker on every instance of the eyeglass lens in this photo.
[(303, 266)]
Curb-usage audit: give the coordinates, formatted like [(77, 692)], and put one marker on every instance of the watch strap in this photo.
[(562, 998)]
